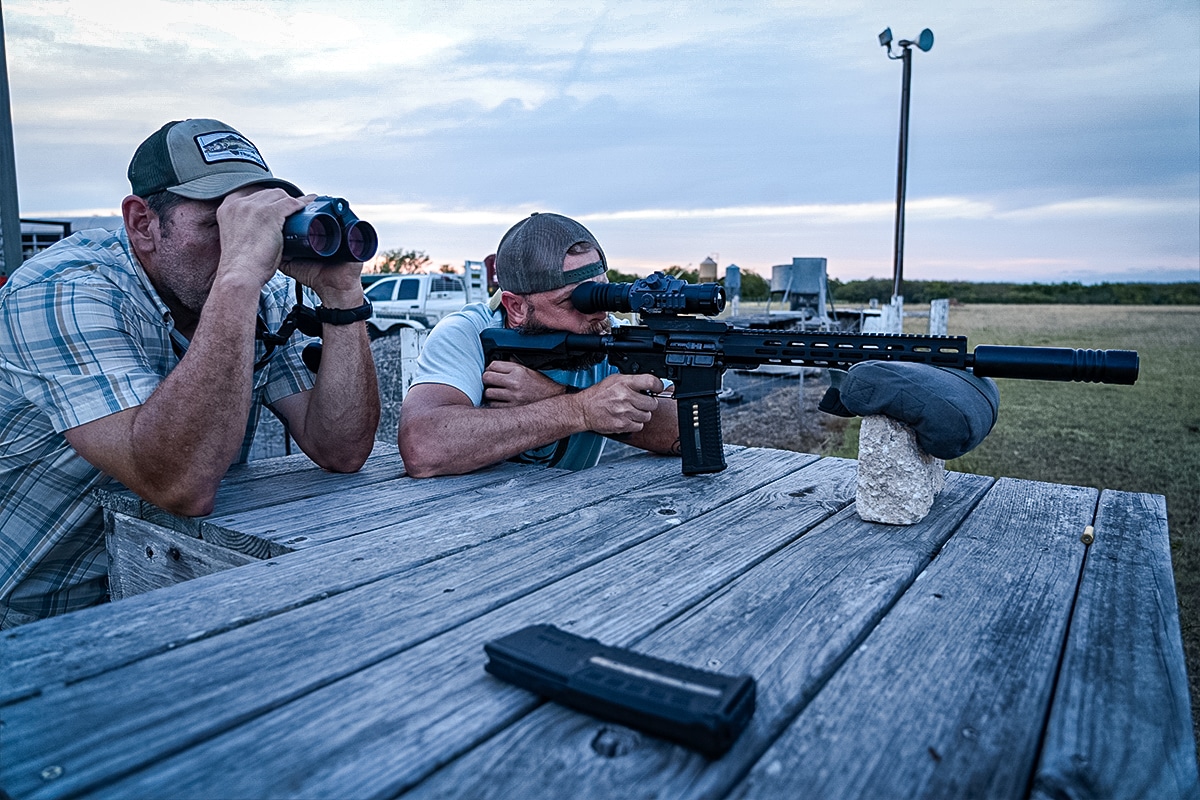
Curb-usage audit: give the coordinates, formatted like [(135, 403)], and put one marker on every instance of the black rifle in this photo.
[(694, 353)]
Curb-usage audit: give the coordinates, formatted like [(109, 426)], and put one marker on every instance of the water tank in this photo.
[(733, 281), (802, 284), (708, 270)]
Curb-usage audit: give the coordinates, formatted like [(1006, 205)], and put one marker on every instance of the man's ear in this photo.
[(516, 307), (141, 224)]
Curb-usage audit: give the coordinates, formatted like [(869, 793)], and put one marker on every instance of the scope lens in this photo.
[(704, 298), (361, 241)]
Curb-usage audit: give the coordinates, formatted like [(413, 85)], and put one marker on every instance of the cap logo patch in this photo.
[(228, 146)]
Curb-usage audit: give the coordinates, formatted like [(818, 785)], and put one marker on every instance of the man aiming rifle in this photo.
[(463, 413), (928, 382)]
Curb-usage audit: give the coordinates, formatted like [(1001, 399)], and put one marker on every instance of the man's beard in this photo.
[(576, 362)]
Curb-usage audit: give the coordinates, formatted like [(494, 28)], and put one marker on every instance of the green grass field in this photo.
[(1141, 438)]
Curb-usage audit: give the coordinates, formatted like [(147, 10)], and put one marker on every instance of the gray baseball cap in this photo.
[(203, 159), (530, 257)]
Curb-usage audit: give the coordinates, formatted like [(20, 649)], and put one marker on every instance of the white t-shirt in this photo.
[(453, 356)]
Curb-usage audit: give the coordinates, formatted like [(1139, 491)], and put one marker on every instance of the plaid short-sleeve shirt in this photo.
[(83, 335)]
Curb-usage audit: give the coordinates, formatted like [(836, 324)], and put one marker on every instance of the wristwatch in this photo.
[(344, 316)]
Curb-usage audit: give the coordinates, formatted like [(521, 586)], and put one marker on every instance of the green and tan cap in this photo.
[(530, 257), (203, 159)]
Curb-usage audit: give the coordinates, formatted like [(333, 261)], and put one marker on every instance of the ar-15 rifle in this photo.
[(694, 353)]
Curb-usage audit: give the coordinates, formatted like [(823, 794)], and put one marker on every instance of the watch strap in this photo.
[(344, 316)]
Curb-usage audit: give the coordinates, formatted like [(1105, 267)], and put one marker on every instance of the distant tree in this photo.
[(616, 276), (689, 275), (401, 260), (754, 286), (863, 291), (447, 269)]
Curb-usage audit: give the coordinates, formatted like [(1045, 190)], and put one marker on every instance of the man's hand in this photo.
[(508, 384), (251, 223), (251, 227), (619, 403), (339, 285)]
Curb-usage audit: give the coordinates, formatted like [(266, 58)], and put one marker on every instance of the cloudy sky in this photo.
[(1049, 141)]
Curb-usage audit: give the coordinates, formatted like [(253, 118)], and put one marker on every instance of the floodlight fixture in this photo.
[(924, 43)]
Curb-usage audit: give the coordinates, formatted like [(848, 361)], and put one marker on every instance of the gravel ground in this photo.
[(786, 418)]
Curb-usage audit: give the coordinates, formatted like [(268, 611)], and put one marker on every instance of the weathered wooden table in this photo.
[(984, 652)]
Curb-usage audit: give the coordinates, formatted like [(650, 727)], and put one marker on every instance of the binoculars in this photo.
[(327, 230)]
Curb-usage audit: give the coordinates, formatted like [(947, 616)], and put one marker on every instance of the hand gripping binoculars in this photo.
[(327, 230)]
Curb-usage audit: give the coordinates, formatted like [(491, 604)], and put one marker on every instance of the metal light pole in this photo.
[(10, 222), (924, 42)]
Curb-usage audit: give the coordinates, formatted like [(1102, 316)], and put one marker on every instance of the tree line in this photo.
[(1141, 294), (757, 288)]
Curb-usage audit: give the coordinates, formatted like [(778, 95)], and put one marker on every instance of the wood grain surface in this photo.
[(986, 651)]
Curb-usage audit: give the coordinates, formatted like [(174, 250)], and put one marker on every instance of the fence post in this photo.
[(939, 317)]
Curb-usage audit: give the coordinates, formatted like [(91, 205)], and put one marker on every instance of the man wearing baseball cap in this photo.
[(462, 414), (144, 355)]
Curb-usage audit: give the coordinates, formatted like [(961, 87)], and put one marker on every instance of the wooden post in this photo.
[(10, 217), (939, 317)]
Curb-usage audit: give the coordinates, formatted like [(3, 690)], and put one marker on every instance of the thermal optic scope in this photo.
[(656, 294)]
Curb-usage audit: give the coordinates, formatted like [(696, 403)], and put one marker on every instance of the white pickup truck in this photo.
[(416, 301)]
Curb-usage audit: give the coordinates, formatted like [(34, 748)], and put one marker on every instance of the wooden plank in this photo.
[(257, 484), (311, 521), (115, 497), (615, 451), (948, 695), (143, 556), (74, 646), (316, 521), (277, 489), (1121, 725), (118, 498), (791, 622), (255, 471), (319, 644)]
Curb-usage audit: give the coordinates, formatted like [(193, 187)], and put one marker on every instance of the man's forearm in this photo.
[(174, 449), (455, 439), (338, 426)]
